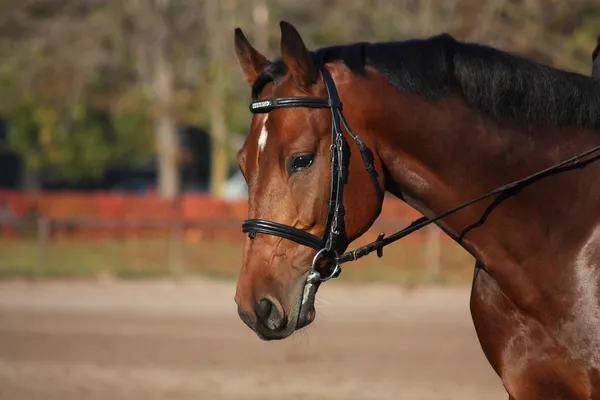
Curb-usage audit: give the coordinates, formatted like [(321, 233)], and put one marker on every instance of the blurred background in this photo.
[(119, 125)]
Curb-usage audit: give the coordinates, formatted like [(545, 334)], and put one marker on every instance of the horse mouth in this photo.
[(302, 314)]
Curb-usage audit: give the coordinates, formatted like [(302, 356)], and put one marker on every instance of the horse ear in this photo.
[(251, 61), (296, 57)]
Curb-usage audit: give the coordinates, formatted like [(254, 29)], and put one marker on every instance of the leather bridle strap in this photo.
[(267, 105), (254, 226), (422, 222)]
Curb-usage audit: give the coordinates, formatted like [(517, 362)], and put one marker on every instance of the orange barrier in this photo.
[(197, 215)]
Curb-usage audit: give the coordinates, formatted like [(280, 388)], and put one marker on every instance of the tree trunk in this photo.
[(167, 148), (218, 18), (165, 128), (30, 181), (220, 159), (260, 14)]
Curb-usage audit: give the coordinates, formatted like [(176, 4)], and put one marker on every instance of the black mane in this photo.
[(498, 84)]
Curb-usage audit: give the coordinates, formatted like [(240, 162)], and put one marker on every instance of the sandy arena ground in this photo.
[(183, 340)]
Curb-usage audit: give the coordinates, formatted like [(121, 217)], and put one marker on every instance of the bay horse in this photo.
[(495, 149)]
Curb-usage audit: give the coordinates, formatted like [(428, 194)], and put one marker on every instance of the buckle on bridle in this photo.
[(330, 256)]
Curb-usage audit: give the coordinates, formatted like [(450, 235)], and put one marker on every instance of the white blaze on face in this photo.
[(262, 138)]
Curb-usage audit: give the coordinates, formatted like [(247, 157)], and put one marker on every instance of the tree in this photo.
[(54, 55), (89, 83), (219, 18)]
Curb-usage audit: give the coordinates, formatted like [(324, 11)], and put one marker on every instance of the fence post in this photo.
[(175, 256), (43, 236), (433, 252)]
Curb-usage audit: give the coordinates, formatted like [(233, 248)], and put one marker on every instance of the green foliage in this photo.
[(74, 142), (135, 144)]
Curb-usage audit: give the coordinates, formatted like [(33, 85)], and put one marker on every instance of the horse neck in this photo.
[(441, 154)]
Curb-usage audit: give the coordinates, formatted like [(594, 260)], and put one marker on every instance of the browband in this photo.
[(266, 105)]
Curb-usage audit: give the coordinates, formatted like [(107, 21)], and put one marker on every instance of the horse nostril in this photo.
[(263, 308), (269, 315)]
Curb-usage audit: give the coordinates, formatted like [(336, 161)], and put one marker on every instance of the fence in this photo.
[(83, 234)]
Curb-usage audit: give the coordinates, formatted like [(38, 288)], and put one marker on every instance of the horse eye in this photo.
[(300, 162)]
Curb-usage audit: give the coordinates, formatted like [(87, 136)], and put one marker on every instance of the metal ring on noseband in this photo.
[(315, 275)]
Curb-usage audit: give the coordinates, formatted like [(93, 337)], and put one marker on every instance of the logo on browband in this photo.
[(260, 104)]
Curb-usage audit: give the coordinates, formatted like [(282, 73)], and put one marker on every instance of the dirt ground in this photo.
[(183, 340)]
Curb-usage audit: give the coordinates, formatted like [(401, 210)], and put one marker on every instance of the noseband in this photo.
[(327, 245)]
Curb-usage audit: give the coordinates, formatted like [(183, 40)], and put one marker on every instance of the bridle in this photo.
[(328, 244)]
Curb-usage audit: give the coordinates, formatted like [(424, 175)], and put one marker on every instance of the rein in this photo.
[(422, 222), (326, 245)]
